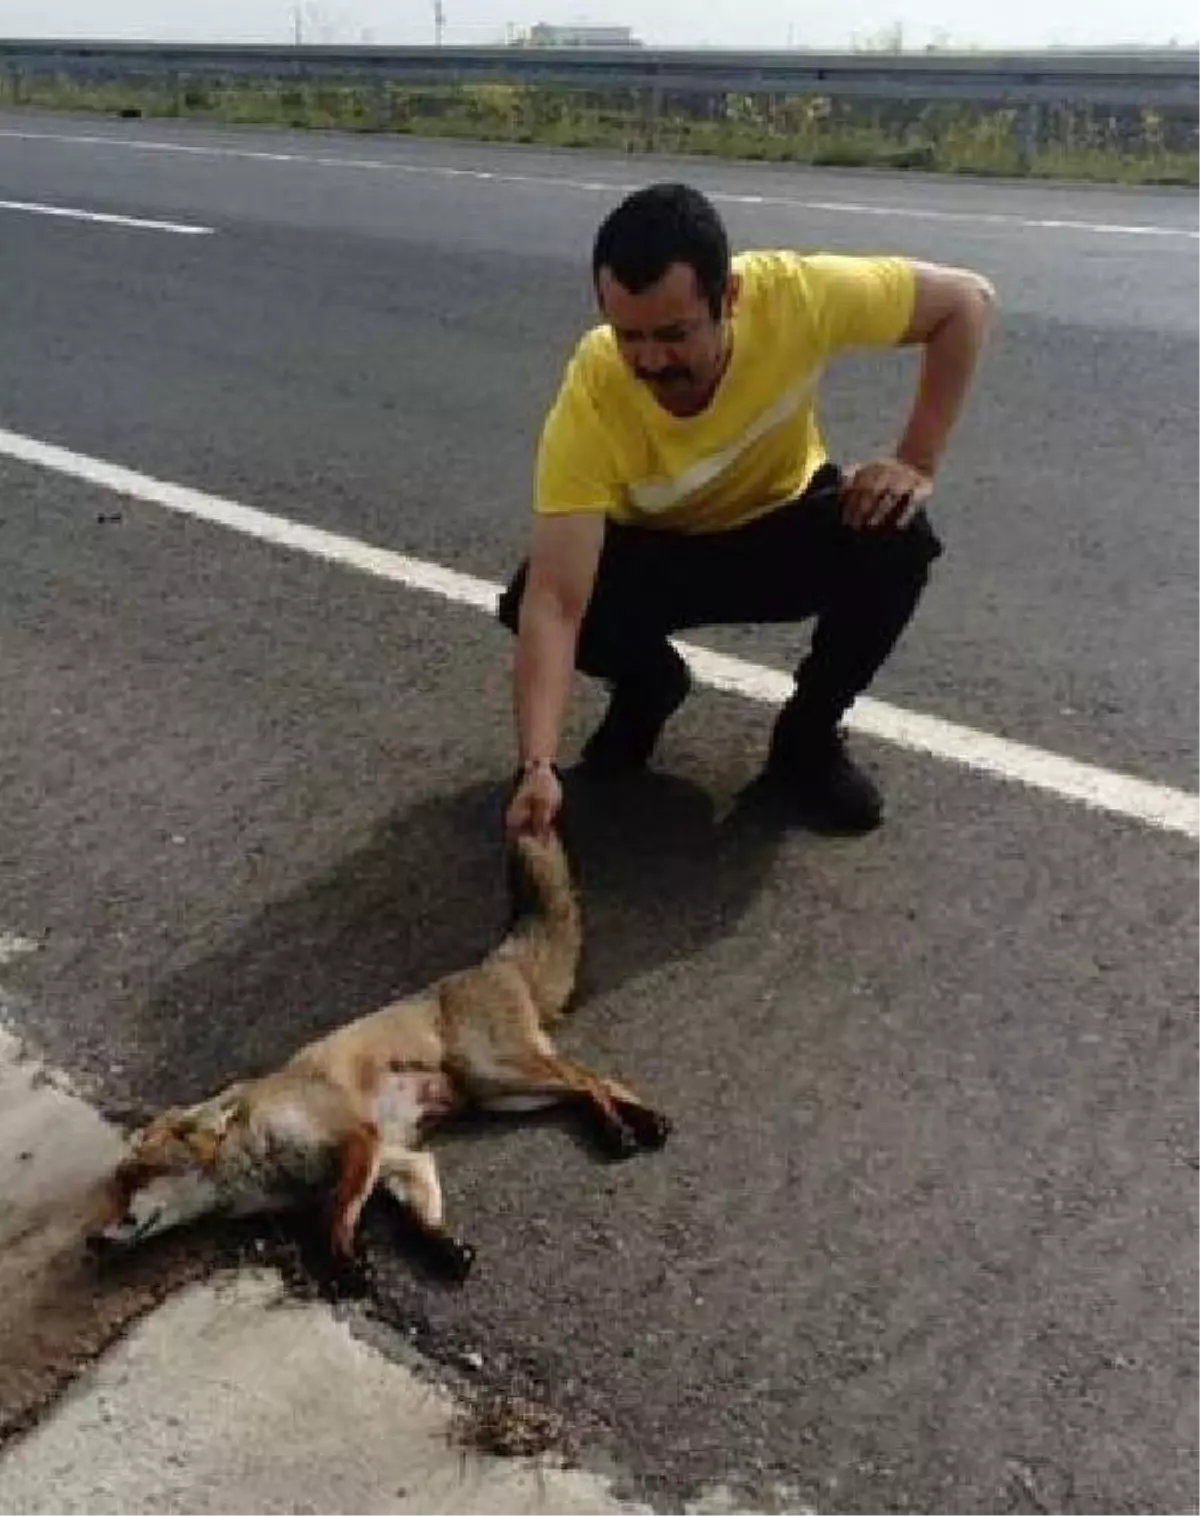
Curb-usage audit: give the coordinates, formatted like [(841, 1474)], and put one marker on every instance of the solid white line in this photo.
[(1155, 805), (106, 218), (606, 187)]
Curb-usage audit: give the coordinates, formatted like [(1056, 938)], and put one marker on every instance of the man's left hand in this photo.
[(886, 491)]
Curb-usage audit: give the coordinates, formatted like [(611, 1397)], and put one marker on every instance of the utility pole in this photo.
[(439, 22), (297, 25)]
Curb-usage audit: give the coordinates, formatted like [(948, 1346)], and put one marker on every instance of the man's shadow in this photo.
[(660, 873)]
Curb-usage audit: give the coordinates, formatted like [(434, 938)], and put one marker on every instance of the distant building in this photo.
[(545, 34)]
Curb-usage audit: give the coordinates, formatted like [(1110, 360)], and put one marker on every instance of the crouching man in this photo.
[(682, 481)]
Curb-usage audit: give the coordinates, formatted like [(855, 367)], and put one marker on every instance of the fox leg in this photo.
[(625, 1122), (411, 1179), (508, 1062), (359, 1157)]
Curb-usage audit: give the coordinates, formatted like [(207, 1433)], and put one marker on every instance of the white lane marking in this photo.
[(106, 218), (606, 187), (13, 947), (1155, 805)]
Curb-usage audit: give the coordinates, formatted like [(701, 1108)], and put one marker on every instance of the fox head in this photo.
[(174, 1171)]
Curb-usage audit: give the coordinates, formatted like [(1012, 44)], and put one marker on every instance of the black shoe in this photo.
[(633, 723), (821, 780)]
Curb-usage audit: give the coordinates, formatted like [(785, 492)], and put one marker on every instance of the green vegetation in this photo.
[(1119, 146)]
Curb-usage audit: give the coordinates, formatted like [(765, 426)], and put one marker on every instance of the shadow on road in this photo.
[(660, 875)]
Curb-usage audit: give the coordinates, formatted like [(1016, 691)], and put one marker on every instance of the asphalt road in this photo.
[(925, 1234)]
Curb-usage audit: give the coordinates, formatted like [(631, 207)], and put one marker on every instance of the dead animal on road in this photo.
[(352, 1110)]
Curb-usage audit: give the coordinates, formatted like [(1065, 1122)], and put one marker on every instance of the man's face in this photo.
[(668, 336)]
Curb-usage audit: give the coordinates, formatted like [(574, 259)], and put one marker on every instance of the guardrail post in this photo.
[(652, 105), (1031, 134), (378, 110)]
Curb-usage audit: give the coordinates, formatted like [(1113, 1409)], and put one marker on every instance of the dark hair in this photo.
[(660, 225)]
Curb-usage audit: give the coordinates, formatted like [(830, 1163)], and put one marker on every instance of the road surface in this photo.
[(924, 1235)]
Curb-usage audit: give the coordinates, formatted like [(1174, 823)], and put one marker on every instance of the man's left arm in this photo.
[(951, 314)]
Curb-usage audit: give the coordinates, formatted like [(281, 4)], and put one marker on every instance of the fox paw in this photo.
[(452, 1258), (618, 1141), (350, 1274), (650, 1128)]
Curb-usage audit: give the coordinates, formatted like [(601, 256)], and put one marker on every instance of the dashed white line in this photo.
[(609, 187), (13, 946), (1154, 805), (106, 218)]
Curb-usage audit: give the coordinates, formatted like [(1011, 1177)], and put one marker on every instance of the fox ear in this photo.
[(205, 1144), (169, 1118), (214, 1114), (209, 1125), (231, 1108)]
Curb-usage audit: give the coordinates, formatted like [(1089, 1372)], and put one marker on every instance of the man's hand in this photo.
[(535, 803), (885, 491)]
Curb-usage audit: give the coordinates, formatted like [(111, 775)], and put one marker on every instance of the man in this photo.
[(682, 481)]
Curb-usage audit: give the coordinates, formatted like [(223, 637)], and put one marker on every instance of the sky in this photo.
[(668, 23)]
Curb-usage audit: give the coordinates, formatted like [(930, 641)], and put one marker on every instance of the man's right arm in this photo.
[(563, 558)]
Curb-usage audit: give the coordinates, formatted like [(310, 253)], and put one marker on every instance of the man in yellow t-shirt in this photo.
[(682, 481)]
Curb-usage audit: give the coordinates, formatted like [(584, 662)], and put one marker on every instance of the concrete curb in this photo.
[(233, 1397)]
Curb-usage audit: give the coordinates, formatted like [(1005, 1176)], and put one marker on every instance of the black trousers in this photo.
[(798, 561)]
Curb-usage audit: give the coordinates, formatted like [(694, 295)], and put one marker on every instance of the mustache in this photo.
[(663, 375)]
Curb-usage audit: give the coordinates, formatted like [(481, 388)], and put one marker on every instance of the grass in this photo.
[(508, 1426), (1128, 147)]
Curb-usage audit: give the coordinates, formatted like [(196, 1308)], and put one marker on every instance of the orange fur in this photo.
[(353, 1107)]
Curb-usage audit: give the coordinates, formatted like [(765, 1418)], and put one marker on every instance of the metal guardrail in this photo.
[(1158, 80)]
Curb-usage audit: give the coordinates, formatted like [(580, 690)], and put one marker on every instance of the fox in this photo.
[(356, 1107)]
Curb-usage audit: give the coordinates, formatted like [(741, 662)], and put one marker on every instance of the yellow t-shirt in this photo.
[(607, 445)]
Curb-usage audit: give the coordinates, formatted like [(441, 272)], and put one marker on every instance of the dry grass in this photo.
[(1132, 147), (507, 1426)]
